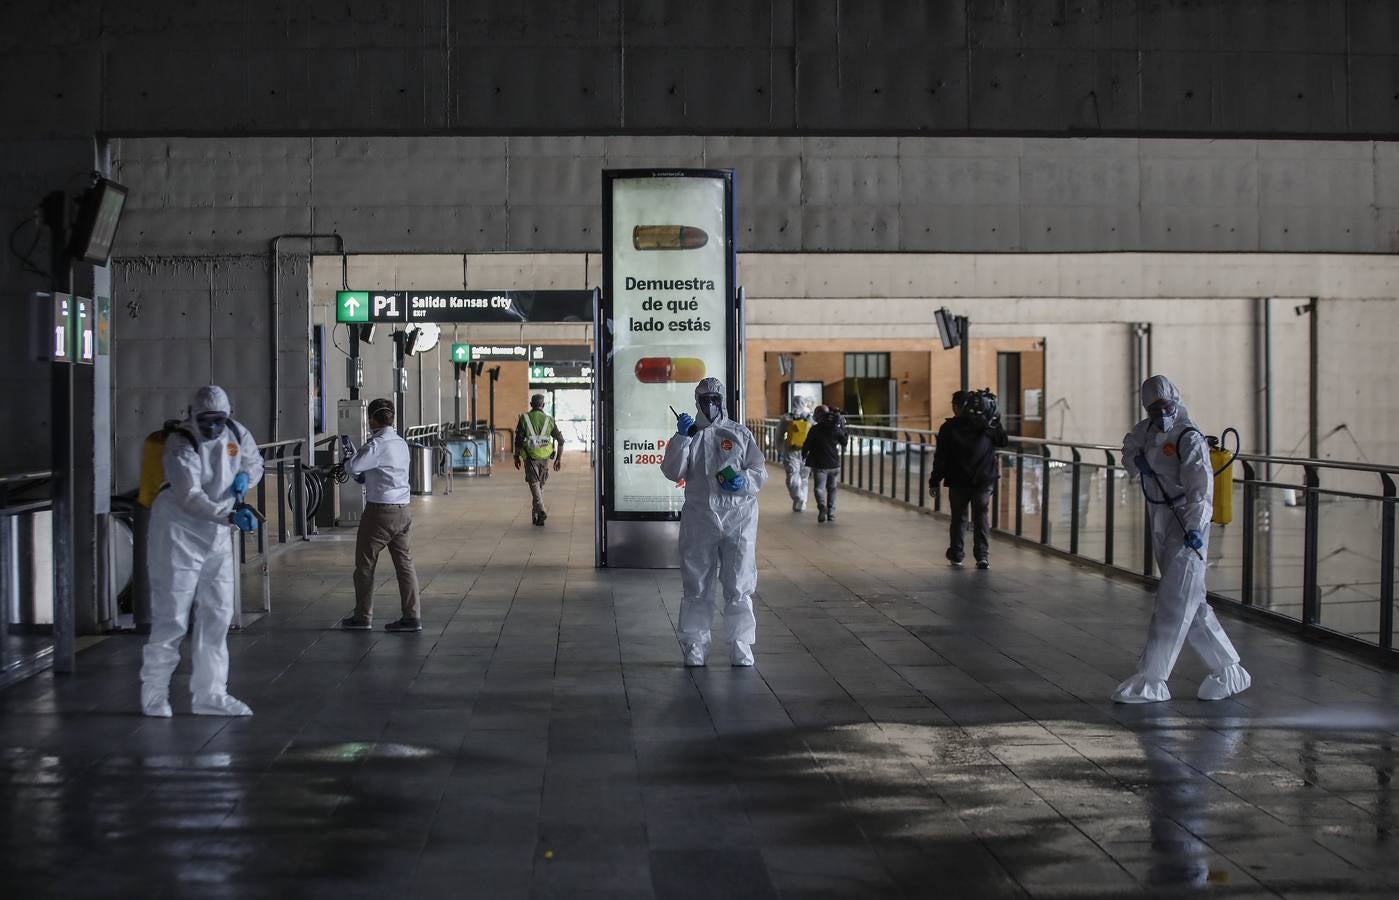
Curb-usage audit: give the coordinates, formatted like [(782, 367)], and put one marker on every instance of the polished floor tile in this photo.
[(910, 730)]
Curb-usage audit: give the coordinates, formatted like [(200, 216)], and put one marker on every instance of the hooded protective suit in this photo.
[(718, 527), (798, 472), (190, 556), (1178, 455)]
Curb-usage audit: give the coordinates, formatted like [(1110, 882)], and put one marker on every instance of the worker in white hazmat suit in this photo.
[(210, 462), (1170, 454), (795, 426), (723, 470)]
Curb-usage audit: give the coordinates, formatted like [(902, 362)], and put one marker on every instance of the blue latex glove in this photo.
[(240, 485), (1194, 540), (1142, 465), (734, 485), (244, 519), (684, 422)]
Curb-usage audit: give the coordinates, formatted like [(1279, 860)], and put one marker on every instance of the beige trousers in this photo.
[(385, 525), (536, 476)]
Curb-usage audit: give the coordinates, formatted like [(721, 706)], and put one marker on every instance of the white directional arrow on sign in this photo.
[(351, 305), (461, 353)]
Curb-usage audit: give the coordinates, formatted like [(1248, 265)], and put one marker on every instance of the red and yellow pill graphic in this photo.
[(668, 237), (662, 369)]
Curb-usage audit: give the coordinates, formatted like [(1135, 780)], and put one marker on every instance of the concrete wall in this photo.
[(464, 200), (1203, 67), (181, 322), (813, 194)]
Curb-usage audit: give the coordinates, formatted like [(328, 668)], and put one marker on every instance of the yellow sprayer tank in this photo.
[(1220, 463)]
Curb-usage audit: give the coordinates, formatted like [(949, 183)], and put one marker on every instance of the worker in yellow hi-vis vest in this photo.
[(535, 438)]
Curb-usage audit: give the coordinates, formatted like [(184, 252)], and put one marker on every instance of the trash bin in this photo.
[(420, 466)]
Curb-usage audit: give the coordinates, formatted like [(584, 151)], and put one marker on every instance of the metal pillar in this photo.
[(494, 375), (1141, 364), (400, 374), (1313, 355), (1263, 316), (456, 398), (55, 213), (354, 362), (964, 334)]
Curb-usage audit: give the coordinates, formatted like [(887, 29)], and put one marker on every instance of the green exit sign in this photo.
[(352, 306), (461, 353)]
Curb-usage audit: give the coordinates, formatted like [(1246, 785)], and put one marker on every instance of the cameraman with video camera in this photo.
[(964, 459), (824, 444)]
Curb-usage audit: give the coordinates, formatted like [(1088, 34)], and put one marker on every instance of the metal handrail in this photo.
[(21, 477), (19, 481), (1340, 464), (1088, 478)]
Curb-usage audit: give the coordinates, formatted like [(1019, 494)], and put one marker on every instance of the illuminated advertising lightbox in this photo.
[(669, 306)]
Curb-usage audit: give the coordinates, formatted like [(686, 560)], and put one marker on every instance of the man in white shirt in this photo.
[(382, 466)]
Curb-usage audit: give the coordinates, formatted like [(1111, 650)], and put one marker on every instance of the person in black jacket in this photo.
[(964, 458), (824, 444)]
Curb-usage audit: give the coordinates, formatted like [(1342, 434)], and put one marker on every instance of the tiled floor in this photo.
[(909, 731)]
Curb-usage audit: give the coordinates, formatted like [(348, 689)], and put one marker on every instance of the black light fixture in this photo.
[(95, 228), (494, 373), (476, 367), (948, 331), (410, 340), (366, 332)]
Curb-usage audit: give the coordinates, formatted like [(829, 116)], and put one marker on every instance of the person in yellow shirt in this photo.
[(536, 437), (795, 426)]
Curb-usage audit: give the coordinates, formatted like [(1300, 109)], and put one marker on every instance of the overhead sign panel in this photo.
[(560, 354), (352, 306), (499, 352), (570, 374), (463, 307), (68, 328)]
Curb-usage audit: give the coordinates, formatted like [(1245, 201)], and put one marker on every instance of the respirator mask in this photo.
[(1162, 414), (211, 425), (711, 406)]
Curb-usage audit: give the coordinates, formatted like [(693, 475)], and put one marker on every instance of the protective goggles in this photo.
[(1161, 409), (211, 424)]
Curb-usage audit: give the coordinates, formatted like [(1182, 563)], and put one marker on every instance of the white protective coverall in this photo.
[(190, 557), (1180, 458), (718, 528), (798, 472)]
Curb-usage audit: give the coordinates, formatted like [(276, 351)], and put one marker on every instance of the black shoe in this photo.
[(954, 559), (830, 515), (821, 514), (353, 622), (405, 625), (983, 563)]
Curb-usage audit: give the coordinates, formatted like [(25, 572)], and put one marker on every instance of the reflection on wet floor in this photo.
[(909, 731)]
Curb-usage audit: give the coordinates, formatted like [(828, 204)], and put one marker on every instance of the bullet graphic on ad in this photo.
[(668, 237), (661, 369)]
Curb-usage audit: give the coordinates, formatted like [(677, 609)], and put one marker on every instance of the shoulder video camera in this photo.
[(981, 403)]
